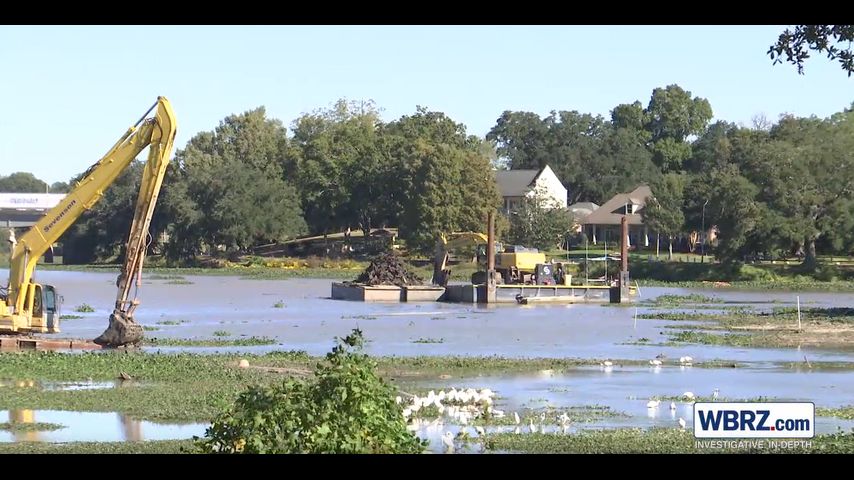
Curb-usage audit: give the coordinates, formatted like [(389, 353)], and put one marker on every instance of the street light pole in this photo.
[(703, 244)]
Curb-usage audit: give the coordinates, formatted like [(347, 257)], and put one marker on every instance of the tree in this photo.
[(805, 177), (230, 189), (346, 407), (523, 139), (443, 178), (22, 182), (630, 116), (663, 211), (623, 162), (537, 225), (569, 142), (101, 233), (712, 149), (798, 42), (672, 115), (59, 187), (340, 171), (734, 210)]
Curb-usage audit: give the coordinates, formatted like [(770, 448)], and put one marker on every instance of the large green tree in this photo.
[(59, 187), (805, 177), (663, 211), (622, 164), (444, 179), (22, 182), (536, 225), (342, 175), (594, 159), (733, 208), (230, 188), (670, 118), (100, 233)]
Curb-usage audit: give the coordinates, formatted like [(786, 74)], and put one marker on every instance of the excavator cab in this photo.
[(52, 302), (41, 306)]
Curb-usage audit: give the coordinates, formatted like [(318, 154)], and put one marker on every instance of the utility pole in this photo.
[(703, 244)]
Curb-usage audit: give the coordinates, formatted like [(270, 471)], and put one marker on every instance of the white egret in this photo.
[(448, 440)]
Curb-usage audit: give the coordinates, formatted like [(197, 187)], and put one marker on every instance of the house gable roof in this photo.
[(515, 183), (604, 216), (581, 210)]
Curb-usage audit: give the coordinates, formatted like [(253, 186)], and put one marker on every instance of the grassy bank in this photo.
[(213, 342), (189, 387), (151, 446), (846, 413), (30, 427), (594, 442), (646, 441), (778, 277), (818, 327), (195, 388)]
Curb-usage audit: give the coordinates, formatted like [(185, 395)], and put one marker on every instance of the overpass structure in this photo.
[(20, 210)]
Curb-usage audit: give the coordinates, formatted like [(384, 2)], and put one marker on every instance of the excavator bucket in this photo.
[(123, 330)]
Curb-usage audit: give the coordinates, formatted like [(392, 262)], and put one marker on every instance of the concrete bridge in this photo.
[(23, 210), (19, 210)]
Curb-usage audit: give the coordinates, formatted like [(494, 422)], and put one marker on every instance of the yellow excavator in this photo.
[(512, 263), (28, 307), (445, 244)]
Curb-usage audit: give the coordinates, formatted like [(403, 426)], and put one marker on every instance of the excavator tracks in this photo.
[(22, 342)]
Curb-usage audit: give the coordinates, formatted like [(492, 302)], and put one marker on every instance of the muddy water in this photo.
[(628, 389), (93, 427), (309, 320)]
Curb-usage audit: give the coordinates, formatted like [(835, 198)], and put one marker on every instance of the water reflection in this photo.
[(20, 418), (132, 428), (93, 427)]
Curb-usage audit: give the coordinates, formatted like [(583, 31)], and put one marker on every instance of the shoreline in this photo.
[(267, 273)]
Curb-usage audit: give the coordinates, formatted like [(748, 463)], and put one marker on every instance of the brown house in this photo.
[(603, 224)]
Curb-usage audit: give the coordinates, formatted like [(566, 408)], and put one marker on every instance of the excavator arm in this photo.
[(158, 132), (122, 328), (446, 243)]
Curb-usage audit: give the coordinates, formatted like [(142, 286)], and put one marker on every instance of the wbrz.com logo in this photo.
[(754, 420)]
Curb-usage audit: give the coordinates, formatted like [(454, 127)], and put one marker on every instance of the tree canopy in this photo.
[(22, 182), (797, 43), (775, 188)]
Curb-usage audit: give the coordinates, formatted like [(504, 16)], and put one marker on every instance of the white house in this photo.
[(515, 185)]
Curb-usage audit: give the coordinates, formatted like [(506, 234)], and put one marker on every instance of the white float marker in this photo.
[(799, 313)]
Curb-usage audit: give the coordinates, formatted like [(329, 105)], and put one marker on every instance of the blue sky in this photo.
[(69, 92)]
